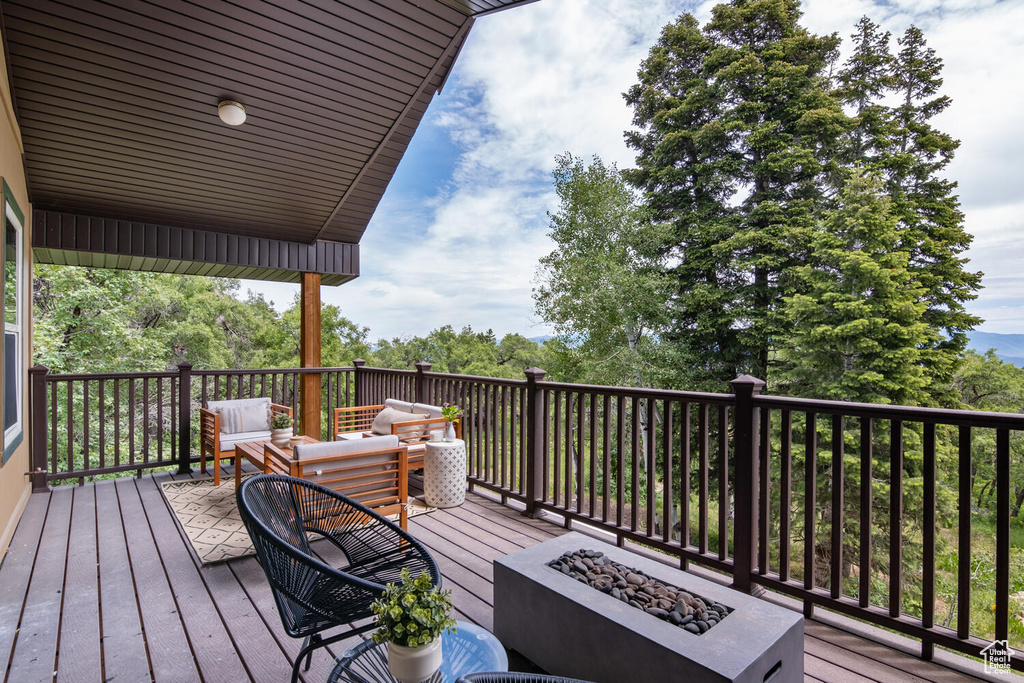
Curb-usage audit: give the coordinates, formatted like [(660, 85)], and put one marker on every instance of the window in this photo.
[(14, 320)]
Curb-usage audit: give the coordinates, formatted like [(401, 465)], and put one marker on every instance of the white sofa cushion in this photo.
[(431, 411), (389, 416), (404, 406), (227, 442), (242, 414)]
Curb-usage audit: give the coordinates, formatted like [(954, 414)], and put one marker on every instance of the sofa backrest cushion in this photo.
[(404, 406), (242, 414), (355, 475), (431, 411), (348, 447), (385, 418)]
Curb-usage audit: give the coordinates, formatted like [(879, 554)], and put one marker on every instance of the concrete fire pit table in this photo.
[(571, 629)]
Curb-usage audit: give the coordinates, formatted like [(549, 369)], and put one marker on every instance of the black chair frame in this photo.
[(280, 512)]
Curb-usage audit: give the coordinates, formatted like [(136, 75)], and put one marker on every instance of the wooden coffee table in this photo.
[(253, 452)]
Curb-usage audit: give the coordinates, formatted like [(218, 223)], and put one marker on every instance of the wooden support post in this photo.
[(37, 427), (185, 418), (309, 356), (534, 441), (422, 383), (745, 447)]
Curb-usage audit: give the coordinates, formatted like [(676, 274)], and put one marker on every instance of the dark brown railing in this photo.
[(92, 424), (714, 479)]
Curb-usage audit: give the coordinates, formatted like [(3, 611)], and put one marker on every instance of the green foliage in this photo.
[(856, 331), (413, 612), (600, 288), (900, 142), (467, 353), (280, 421), (736, 130), (96, 320)]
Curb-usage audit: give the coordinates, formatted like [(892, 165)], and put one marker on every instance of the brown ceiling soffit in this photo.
[(164, 248), (410, 115)]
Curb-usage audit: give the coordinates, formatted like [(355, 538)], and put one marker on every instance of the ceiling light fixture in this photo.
[(231, 112)]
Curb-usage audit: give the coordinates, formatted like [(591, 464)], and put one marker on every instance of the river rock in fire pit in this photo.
[(666, 602)]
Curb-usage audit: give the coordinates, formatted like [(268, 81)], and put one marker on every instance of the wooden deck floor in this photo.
[(100, 585)]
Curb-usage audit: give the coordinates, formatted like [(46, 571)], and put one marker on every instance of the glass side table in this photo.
[(468, 650)]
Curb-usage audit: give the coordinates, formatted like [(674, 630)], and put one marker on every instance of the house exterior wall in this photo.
[(14, 482)]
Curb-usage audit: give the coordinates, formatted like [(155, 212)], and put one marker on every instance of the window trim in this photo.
[(13, 437)]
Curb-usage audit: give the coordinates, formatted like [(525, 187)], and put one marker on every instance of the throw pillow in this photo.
[(389, 416)]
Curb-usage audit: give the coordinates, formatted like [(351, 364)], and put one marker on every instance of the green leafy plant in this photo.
[(413, 612), (451, 412), (280, 421)]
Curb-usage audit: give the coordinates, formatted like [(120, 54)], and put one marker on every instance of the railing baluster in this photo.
[(85, 429), (703, 480), (592, 487), (764, 493), (668, 500), (810, 505), (785, 491), (53, 427), (131, 421), (606, 445), (838, 500), (896, 519), (928, 549), (620, 470), (635, 461), (684, 478), (557, 455), (866, 521), (1002, 533), (160, 418), (723, 482), (102, 423), (963, 593), (570, 450), (652, 470), (145, 419)]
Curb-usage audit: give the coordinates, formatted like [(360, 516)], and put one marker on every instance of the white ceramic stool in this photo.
[(444, 473)]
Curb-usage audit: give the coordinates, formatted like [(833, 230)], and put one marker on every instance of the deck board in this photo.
[(164, 617), (124, 645), (80, 622)]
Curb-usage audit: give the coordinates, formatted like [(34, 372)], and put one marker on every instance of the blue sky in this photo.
[(457, 236)]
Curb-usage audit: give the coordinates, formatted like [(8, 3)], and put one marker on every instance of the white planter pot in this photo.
[(280, 437), (414, 664), (449, 432)]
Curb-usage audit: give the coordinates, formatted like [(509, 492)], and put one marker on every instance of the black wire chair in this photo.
[(513, 677), (280, 512)]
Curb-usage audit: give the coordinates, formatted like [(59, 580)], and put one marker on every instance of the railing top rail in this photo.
[(271, 371), (477, 378), (969, 418), (81, 377), (390, 371), (637, 392)]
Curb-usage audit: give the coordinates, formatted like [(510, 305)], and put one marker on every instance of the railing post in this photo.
[(422, 386), (184, 418), (37, 434), (357, 380), (534, 440), (745, 460)]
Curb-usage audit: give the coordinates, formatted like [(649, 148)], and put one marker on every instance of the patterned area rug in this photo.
[(209, 516)]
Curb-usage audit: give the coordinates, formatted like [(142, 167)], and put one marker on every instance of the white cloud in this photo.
[(548, 77)]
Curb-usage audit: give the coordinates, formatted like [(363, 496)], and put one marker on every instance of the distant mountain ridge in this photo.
[(1009, 347)]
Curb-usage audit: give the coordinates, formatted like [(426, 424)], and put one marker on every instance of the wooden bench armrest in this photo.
[(419, 425)]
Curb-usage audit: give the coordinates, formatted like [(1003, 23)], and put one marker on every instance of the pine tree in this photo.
[(737, 129), (901, 142), (858, 330), (863, 83)]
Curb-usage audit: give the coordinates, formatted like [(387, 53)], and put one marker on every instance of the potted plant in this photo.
[(411, 616), (280, 429), (451, 413)]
